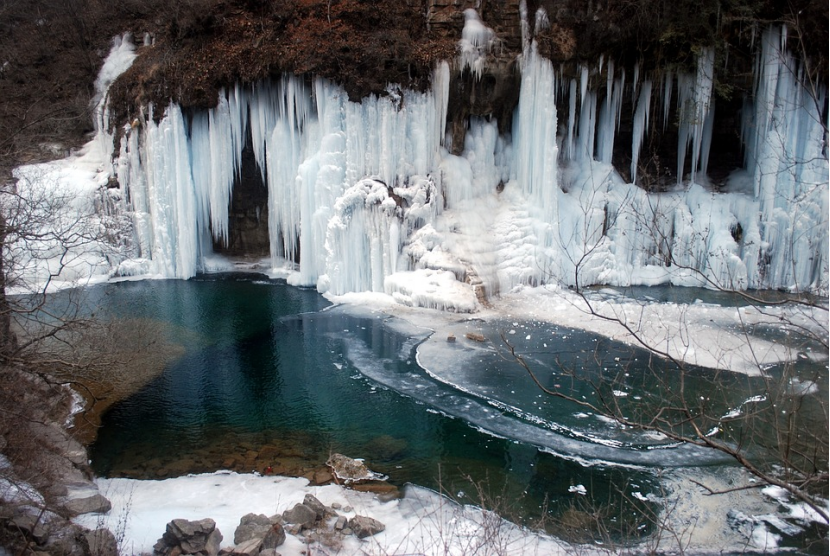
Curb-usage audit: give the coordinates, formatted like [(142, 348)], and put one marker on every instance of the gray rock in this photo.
[(274, 537), (300, 514), (346, 531), (101, 542), (319, 508), (340, 524), (364, 526), (94, 504), (64, 540), (192, 537), (213, 542), (251, 547), (32, 525), (251, 526), (336, 505), (58, 439)]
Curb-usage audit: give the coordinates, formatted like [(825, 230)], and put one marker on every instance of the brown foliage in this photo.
[(353, 42)]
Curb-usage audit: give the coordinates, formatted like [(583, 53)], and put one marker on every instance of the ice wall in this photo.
[(313, 147), (367, 198)]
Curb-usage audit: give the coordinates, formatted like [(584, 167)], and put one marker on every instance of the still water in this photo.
[(274, 379)]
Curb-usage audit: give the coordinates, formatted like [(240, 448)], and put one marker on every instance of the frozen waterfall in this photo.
[(366, 198)]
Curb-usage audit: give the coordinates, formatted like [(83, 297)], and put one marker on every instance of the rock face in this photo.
[(189, 537), (45, 475)]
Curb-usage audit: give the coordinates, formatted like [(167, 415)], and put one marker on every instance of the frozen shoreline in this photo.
[(424, 522)]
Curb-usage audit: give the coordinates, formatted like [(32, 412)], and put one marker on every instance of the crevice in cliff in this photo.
[(247, 210)]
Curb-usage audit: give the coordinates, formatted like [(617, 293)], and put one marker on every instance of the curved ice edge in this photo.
[(535, 420), (493, 423)]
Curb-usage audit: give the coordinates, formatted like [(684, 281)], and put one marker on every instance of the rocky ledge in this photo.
[(45, 479)]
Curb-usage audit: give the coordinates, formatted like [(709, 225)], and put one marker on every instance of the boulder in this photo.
[(93, 504), (189, 537), (300, 514), (251, 526), (364, 526), (319, 508), (322, 477), (251, 547), (274, 537), (101, 542)]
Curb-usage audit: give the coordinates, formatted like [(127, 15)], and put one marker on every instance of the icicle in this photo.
[(569, 144), (640, 124), (694, 101), (583, 85), (668, 80), (635, 81), (441, 92), (587, 127), (706, 139), (609, 116), (609, 83)]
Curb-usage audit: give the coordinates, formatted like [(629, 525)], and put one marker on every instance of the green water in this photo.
[(273, 378)]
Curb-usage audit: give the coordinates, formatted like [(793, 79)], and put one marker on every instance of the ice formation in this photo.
[(366, 197)]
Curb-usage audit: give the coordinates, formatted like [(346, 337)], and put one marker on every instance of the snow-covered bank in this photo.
[(422, 522)]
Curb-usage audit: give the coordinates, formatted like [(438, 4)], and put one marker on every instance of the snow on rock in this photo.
[(477, 40)]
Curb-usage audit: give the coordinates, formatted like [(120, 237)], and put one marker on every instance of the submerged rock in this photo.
[(351, 470)]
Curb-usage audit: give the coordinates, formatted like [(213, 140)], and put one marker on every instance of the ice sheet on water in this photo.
[(465, 401)]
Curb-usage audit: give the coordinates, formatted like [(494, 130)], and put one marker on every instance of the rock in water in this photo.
[(351, 470)]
